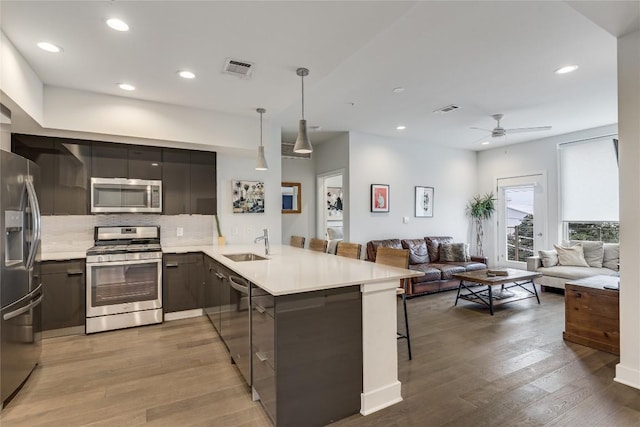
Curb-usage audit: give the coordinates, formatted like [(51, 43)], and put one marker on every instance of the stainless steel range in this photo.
[(124, 278)]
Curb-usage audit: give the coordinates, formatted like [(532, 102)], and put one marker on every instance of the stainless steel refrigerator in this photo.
[(20, 287)]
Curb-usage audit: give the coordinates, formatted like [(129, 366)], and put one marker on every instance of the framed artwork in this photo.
[(379, 198), (335, 200), (247, 196), (424, 202)]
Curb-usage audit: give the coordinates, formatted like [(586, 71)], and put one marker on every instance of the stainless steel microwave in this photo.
[(118, 195)]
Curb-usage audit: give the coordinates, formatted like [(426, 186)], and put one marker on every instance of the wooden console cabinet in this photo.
[(592, 313)]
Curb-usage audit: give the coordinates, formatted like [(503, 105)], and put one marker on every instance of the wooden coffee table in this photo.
[(517, 280)]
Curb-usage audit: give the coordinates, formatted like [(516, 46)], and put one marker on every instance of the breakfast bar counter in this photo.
[(288, 271)]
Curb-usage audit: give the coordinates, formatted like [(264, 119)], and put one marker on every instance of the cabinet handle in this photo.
[(220, 276), (261, 356), (74, 272), (578, 295), (171, 265), (259, 309)]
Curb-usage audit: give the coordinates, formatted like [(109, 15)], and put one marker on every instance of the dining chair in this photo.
[(318, 245), (398, 258), (297, 241), (349, 250)]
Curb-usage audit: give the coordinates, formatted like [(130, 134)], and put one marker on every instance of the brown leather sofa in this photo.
[(424, 255)]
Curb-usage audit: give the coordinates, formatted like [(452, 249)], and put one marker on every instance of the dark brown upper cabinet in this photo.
[(189, 182), (109, 160), (65, 169), (144, 163)]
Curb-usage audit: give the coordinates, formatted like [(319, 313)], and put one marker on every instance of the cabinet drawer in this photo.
[(75, 267), (189, 258), (264, 382), (263, 337)]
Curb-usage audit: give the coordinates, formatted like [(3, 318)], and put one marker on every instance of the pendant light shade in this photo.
[(261, 164), (303, 145)]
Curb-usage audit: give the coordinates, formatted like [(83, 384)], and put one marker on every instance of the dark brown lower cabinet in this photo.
[(63, 287), (182, 282), (307, 355)]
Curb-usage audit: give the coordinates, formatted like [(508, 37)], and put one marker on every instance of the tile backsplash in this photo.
[(72, 233)]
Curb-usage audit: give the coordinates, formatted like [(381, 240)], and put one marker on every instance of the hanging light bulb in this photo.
[(303, 145), (261, 164)]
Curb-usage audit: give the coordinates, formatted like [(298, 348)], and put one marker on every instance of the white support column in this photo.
[(380, 385), (628, 370)]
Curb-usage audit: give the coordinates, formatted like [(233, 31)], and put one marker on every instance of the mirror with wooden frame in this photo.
[(291, 197)]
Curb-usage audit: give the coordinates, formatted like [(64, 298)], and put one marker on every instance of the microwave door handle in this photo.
[(149, 203), (37, 231)]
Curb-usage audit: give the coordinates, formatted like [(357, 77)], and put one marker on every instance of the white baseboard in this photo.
[(186, 314), (627, 376), (380, 398)]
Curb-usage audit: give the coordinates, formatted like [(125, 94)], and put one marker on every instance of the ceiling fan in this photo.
[(499, 131)]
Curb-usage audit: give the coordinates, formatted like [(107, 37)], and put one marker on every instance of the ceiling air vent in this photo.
[(447, 109), (238, 68), (288, 153)]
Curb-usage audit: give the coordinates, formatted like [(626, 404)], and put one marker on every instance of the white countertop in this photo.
[(62, 256), (291, 270)]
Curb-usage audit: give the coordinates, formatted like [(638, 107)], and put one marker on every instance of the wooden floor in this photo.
[(468, 369)]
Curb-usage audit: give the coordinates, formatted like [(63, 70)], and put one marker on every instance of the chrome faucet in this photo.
[(264, 237)]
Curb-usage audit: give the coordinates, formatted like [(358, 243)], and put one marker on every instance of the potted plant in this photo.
[(481, 208), (221, 239)]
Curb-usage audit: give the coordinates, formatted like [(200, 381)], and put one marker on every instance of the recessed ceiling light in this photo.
[(485, 142), (49, 47), (126, 86), (401, 127), (117, 24), (398, 89), (567, 69), (186, 74)]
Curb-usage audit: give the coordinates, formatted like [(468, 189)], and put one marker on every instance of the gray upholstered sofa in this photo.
[(599, 259)]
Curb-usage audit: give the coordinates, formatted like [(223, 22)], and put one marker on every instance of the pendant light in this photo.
[(303, 145), (261, 164)]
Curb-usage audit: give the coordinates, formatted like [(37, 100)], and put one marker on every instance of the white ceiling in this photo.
[(486, 57)]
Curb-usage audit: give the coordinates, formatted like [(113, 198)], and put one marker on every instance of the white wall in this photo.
[(304, 223), (330, 156), (521, 159), (403, 165), (628, 370), (18, 81)]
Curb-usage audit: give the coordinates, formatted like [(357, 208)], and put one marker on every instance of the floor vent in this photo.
[(446, 109), (238, 68), (288, 153)]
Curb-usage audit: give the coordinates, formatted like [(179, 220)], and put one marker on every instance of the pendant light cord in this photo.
[(260, 129), (302, 77)]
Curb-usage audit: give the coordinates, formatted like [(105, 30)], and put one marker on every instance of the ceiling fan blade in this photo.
[(486, 130), (523, 130)]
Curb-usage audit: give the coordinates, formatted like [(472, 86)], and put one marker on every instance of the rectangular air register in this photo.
[(446, 109), (238, 68)]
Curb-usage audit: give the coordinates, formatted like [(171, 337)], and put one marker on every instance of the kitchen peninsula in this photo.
[(296, 282)]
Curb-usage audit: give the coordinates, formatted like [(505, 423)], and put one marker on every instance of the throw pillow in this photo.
[(454, 252), (573, 255), (335, 233), (548, 258), (593, 251), (611, 257)]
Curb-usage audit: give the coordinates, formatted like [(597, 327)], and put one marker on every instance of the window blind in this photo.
[(589, 180)]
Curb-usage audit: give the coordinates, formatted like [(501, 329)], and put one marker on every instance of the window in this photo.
[(589, 189)]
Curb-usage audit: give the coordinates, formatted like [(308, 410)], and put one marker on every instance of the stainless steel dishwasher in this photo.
[(239, 333)]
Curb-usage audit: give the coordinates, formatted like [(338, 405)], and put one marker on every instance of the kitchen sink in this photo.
[(244, 257)]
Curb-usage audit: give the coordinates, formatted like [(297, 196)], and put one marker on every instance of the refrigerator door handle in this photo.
[(28, 296), (10, 315), (35, 208)]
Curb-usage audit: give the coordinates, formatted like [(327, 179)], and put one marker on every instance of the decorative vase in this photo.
[(221, 241)]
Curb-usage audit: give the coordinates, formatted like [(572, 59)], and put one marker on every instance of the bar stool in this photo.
[(349, 250), (297, 241), (398, 258), (318, 245)]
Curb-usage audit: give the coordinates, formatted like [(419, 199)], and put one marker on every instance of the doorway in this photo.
[(522, 219), (331, 206)]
